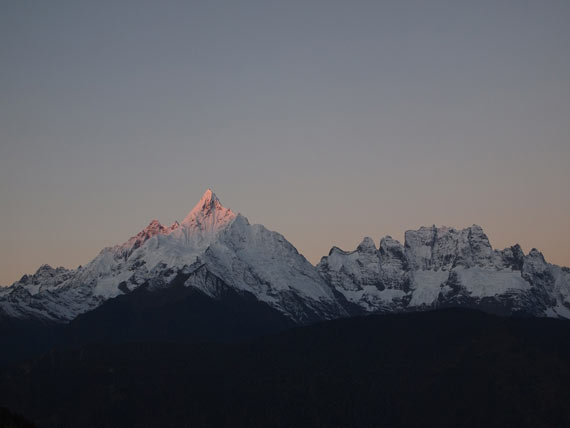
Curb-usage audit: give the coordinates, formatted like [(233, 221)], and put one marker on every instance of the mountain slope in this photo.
[(246, 257), (209, 310), (195, 307)]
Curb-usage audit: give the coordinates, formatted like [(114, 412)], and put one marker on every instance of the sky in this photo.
[(327, 121)]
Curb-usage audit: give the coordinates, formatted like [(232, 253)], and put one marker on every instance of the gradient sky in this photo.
[(324, 120)]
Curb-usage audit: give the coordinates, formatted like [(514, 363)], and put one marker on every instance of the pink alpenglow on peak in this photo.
[(208, 202), (209, 215), (154, 228), (201, 225)]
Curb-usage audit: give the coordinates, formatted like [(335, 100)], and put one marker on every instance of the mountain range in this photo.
[(214, 321), (215, 251)]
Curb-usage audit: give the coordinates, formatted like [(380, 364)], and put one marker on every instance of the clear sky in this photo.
[(324, 120)]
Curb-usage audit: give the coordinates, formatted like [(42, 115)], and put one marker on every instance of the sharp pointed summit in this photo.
[(208, 214), (208, 200)]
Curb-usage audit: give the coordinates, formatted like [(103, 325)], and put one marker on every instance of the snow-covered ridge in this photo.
[(435, 267), (438, 267)]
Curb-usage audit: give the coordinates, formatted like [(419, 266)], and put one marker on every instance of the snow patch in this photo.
[(426, 285), (483, 282)]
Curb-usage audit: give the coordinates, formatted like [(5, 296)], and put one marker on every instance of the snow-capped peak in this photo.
[(208, 202), (367, 245), (208, 214)]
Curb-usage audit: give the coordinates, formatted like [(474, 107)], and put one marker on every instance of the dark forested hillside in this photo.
[(173, 314), (443, 368), (11, 420)]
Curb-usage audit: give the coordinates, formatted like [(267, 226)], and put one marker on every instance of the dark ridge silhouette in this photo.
[(175, 313), (13, 420)]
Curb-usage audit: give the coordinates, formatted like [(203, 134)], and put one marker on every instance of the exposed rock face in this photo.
[(441, 267), (445, 248)]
